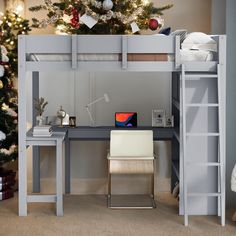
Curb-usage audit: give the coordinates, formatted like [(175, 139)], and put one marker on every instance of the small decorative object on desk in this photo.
[(158, 118), (40, 105), (42, 131), (169, 121), (66, 120), (72, 121), (61, 114)]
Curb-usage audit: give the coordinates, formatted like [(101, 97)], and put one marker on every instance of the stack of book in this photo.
[(42, 131), (7, 182)]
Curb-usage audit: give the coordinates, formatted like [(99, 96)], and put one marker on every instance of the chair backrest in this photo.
[(131, 143)]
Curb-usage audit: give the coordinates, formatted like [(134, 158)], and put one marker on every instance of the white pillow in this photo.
[(199, 41)]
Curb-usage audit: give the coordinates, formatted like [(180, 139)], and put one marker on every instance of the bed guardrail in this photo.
[(120, 47)]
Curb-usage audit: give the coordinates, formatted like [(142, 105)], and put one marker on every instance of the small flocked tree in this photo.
[(99, 16), (11, 25)]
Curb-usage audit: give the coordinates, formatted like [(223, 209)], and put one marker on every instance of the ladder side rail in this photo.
[(185, 203), (221, 147)]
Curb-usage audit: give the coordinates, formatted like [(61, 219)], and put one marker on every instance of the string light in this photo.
[(145, 2), (16, 6)]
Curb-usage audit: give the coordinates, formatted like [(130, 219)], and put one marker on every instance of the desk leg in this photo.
[(36, 150), (36, 170), (59, 179), (67, 165), (22, 182)]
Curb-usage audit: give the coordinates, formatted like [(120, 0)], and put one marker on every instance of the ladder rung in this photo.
[(190, 76), (202, 105), (204, 163), (202, 134), (204, 194)]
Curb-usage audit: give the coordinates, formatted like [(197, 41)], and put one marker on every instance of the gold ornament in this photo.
[(1, 84)]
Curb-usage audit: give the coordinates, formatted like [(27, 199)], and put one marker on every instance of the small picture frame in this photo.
[(169, 121), (72, 121), (158, 118)]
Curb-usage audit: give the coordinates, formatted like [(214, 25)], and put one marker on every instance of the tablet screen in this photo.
[(126, 119)]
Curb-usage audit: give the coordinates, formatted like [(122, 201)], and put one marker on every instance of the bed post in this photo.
[(222, 81), (124, 51), (22, 126), (74, 52), (177, 52), (36, 149)]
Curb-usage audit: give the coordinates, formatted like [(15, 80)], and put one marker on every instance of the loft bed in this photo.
[(120, 53), (109, 53)]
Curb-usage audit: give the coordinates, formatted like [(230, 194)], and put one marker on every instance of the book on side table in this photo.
[(42, 131)]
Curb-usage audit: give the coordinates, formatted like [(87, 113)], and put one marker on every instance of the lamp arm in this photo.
[(95, 101), (90, 115)]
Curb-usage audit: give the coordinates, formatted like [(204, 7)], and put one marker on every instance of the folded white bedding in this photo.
[(185, 55), (195, 55)]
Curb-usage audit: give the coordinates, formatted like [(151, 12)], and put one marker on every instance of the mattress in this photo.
[(185, 55)]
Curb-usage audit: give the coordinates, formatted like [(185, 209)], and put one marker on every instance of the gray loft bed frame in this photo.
[(118, 44)]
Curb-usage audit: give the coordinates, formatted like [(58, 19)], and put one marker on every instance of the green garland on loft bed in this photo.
[(100, 16)]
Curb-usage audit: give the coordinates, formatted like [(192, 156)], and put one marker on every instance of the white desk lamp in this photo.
[(104, 97)]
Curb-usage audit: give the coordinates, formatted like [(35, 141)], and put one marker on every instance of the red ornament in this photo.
[(153, 24), (75, 23)]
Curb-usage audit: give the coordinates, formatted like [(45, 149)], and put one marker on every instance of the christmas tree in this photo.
[(11, 25), (99, 16)]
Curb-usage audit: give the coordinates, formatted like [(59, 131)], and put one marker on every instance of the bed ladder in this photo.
[(219, 164)]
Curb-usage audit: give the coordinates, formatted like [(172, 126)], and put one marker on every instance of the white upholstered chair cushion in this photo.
[(131, 143), (131, 152)]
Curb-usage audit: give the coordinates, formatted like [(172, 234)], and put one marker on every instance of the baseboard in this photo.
[(120, 184)]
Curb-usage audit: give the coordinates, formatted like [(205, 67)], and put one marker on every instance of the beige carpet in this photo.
[(88, 215)]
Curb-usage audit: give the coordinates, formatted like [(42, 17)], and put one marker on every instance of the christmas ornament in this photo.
[(1, 71), (88, 20), (2, 135), (1, 84), (153, 24), (107, 5), (75, 20), (134, 27)]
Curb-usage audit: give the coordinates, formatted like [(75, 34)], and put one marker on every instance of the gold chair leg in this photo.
[(109, 186)]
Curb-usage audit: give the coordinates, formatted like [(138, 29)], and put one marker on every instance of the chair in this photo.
[(131, 152)]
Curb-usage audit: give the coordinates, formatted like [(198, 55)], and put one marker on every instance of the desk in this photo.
[(87, 133)]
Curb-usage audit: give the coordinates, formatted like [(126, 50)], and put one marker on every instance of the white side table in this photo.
[(57, 139)]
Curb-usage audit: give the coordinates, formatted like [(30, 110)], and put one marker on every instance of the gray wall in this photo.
[(230, 99), (218, 17), (193, 15)]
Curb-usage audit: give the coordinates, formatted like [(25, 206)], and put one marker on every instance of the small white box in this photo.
[(158, 118)]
